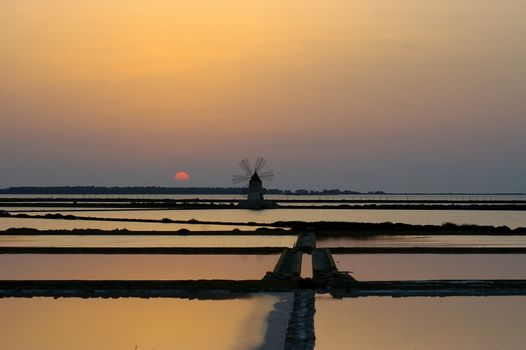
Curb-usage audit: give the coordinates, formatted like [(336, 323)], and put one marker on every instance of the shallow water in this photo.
[(50, 224), (145, 241), (306, 266), (130, 323), (134, 267), (511, 219), (423, 241), (432, 266), (463, 323)]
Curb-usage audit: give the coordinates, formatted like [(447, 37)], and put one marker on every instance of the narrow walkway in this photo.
[(288, 266), (306, 242), (300, 332), (325, 272), (323, 265)]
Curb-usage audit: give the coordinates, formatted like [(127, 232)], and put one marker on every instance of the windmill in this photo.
[(255, 176)]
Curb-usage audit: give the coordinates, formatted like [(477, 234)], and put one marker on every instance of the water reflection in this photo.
[(423, 241), (145, 241), (511, 219), (128, 324), (433, 266), (134, 267), (467, 323), (49, 224)]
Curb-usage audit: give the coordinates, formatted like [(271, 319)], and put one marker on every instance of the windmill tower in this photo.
[(255, 176)]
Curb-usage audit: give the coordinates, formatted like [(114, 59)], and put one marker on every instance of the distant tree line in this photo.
[(153, 190), (328, 192)]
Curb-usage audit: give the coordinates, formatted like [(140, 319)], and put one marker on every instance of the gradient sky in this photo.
[(410, 95)]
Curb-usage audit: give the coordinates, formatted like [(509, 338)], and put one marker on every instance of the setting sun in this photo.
[(395, 130), (181, 176)]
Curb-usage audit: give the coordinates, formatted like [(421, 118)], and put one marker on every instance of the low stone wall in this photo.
[(300, 332)]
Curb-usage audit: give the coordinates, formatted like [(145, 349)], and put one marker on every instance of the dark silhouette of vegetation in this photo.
[(155, 190), (334, 228), (149, 203), (321, 228)]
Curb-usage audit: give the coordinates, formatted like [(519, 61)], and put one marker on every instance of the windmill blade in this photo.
[(260, 163), (267, 175), (245, 165), (237, 179)]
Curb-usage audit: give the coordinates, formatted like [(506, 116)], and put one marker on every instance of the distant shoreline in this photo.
[(320, 228), (122, 204), (160, 190)]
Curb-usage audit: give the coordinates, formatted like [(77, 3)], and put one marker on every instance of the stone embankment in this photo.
[(300, 332)]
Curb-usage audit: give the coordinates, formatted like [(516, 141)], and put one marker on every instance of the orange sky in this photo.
[(351, 94)]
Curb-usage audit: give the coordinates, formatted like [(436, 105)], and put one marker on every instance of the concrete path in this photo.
[(300, 332), (306, 242), (288, 266)]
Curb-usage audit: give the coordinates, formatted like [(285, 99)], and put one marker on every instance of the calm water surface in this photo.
[(131, 323), (423, 241), (48, 224), (455, 323), (134, 266), (511, 219), (432, 266), (145, 241)]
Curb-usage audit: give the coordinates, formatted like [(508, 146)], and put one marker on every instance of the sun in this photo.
[(181, 176)]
